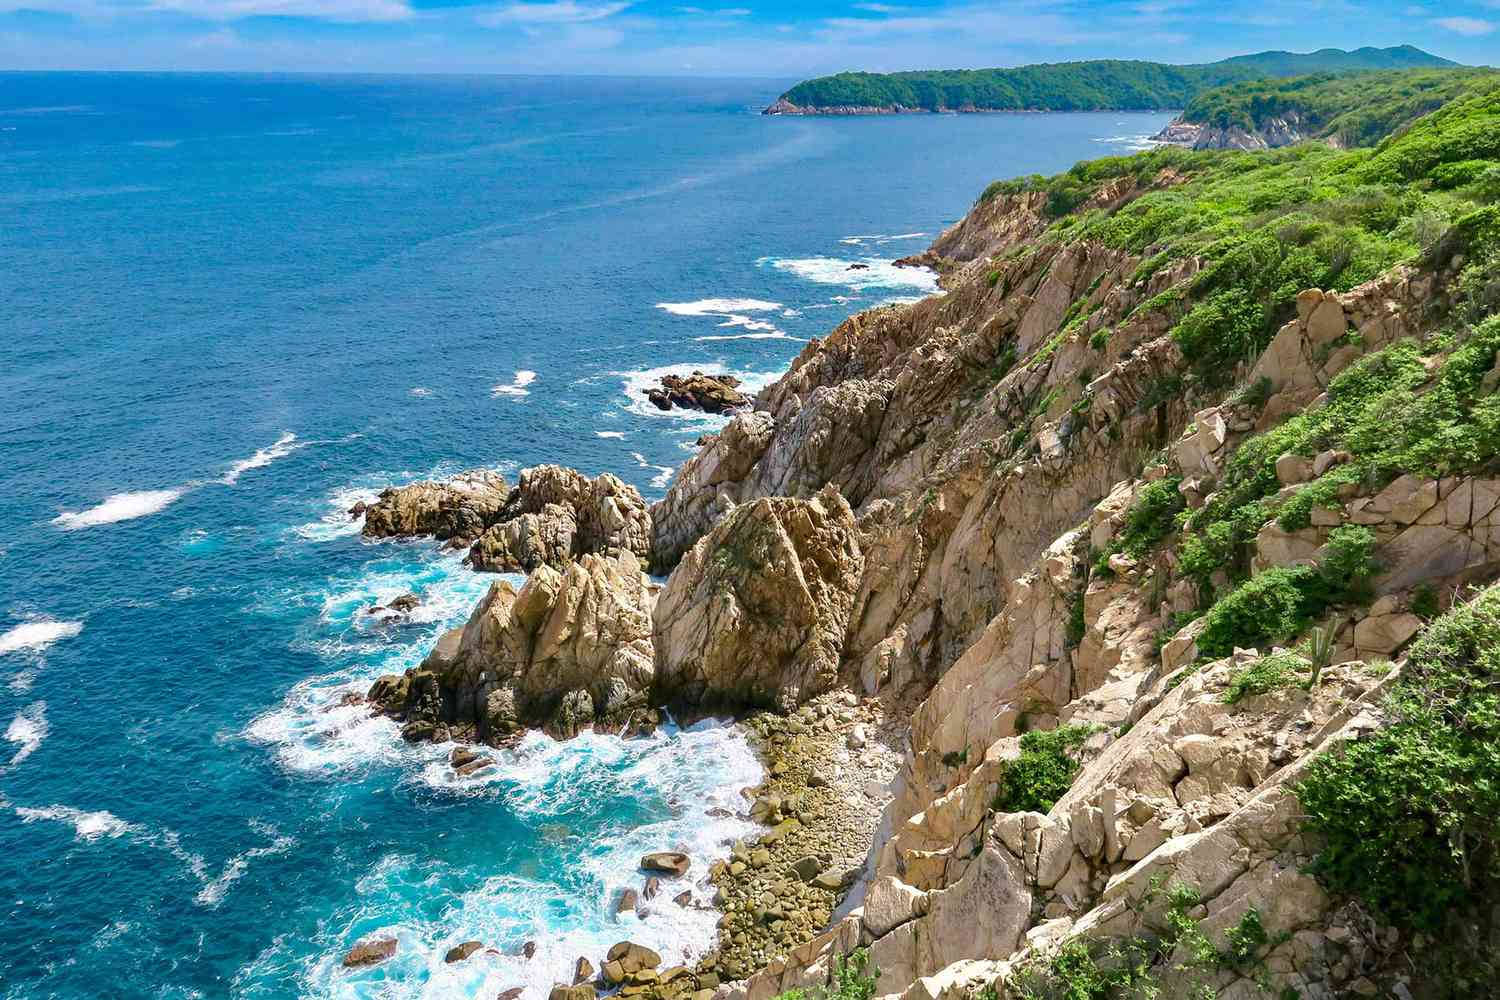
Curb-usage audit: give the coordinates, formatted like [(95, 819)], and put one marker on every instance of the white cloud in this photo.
[(1473, 27), (557, 12), (353, 11)]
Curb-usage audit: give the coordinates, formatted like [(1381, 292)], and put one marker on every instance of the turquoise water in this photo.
[(234, 306)]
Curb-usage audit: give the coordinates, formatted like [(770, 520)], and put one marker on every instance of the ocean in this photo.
[(234, 306)]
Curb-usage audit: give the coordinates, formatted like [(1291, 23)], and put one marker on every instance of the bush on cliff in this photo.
[(1410, 816), (1044, 771)]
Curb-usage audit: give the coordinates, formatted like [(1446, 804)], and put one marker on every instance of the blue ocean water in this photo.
[(233, 306)]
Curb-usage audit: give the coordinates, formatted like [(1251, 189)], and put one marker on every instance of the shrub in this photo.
[(1410, 815), (1349, 563), (1272, 607), (1266, 674), (1044, 771), (852, 980)]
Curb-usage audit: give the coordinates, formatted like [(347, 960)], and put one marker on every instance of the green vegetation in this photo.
[(1151, 518), (1044, 771), (1410, 815), (852, 980), (1179, 956), (1083, 86), (1268, 673), (1353, 109), (1281, 602)]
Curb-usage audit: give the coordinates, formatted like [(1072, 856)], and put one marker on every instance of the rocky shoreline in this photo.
[(829, 766)]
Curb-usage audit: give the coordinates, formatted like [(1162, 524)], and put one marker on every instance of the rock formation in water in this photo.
[(570, 649), (461, 508), (555, 515), (709, 393)]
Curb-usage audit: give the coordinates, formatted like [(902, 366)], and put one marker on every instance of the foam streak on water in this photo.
[(37, 635), (117, 507)]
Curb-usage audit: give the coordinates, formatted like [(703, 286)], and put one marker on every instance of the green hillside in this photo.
[(1084, 86), (1356, 109)]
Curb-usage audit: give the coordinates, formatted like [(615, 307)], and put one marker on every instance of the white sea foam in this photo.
[(37, 635), (615, 435), (27, 730), (118, 507), (517, 386), (731, 313), (317, 729), (717, 307), (86, 825), (284, 445), (215, 889), (100, 824), (336, 522), (419, 390), (664, 473), (878, 238), (429, 905), (876, 272)]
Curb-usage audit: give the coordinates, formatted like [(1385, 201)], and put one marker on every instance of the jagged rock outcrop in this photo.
[(1286, 129), (556, 514), (707, 486), (571, 648), (709, 393), (552, 515), (756, 613), (461, 508)]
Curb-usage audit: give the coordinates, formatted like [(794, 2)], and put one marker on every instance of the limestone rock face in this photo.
[(571, 647), (462, 507), (555, 514), (756, 612)]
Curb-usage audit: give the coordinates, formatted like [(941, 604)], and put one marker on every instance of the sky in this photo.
[(762, 38)]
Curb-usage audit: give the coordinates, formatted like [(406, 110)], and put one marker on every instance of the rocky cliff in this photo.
[(1159, 535)]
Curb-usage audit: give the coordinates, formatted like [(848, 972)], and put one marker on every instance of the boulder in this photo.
[(370, 953), (460, 952), (627, 902), (626, 959), (756, 613), (580, 991), (514, 993), (709, 393), (461, 507), (653, 886), (583, 970), (556, 514), (673, 863)]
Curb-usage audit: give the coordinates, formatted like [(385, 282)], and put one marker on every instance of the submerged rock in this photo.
[(370, 953), (709, 393)]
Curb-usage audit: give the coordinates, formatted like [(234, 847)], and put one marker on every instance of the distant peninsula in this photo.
[(1094, 85)]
